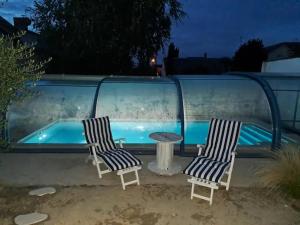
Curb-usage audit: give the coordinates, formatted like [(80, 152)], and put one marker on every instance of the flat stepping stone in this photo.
[(30, 218), (42, 191)]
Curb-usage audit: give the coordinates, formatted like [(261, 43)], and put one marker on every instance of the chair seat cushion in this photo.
[(119, 159), (204, 168)]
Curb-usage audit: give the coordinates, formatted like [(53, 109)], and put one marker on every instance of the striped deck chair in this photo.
[(216, 159), (103, 150)]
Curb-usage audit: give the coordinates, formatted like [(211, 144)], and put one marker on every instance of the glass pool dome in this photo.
[(50, 119)]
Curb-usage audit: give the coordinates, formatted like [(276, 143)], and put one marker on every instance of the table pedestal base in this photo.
[(171, 170)]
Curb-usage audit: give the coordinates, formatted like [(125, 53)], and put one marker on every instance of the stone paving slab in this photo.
[(42, 191), (69, 169), (31, 218)]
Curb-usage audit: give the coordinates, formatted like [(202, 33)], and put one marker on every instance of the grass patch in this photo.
[(284, 175)]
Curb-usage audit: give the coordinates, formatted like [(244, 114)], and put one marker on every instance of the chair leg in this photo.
[(122, 181), (230, 171), (192, 191), (211, 196), (211, 186), (129, 170), (99, 170), (137, 177), (228, 181)]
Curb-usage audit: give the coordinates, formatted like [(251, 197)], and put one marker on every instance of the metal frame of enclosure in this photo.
[(275, 112), (292, 121), (271, 94)]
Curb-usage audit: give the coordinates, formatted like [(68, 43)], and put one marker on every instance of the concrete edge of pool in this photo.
[(70, 169), (261, 151)]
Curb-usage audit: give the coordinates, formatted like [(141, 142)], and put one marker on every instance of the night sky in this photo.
[(218, 27)]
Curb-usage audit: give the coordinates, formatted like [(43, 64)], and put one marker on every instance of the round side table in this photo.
[(164, 164)]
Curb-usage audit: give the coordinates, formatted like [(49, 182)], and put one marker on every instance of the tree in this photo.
[(18, 66), (103, 36), (170, 60), (173, 52), (250, 56)]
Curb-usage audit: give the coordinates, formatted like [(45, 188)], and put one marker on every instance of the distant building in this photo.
[(5, 27), (20, 24), (283, 50), (197, 65), (283, 58)]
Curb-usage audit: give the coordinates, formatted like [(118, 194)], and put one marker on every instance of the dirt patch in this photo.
[(135, 214), (16, 200), (202, 219), (148, 205), (296, 205)]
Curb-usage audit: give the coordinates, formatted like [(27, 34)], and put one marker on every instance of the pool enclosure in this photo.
[(50, 119)]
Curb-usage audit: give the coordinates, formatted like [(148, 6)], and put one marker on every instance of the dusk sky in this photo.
[(218, 27)]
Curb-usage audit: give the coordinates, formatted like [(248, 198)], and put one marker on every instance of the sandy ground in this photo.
[(147, 205)]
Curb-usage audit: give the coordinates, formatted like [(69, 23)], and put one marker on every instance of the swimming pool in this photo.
[(71, 132)]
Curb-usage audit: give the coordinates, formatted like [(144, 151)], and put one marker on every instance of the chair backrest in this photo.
[(222, 139), (97, 130)]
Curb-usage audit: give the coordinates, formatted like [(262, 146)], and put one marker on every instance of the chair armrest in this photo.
[(200, 147), (92, 145), (233, 155), (120, 141)]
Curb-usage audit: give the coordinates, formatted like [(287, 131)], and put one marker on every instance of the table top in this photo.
[(165, 137)]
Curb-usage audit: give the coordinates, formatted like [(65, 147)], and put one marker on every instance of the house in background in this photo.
[(30, 38), (283, 58), (197, 65), (6, 28)]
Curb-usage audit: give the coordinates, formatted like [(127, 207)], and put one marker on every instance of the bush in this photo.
[(284, 175), (18, 66)]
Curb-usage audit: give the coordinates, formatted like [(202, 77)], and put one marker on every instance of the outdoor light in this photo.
[(141, 128), (153, 61)]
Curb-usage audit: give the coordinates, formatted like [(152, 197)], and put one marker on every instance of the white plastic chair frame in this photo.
[(97, 161), (209, 184)]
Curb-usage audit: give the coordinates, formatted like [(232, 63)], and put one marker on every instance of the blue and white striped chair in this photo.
[(216, 159), (103, 150)]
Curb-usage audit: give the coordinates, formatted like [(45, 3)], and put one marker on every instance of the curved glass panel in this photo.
[(226, 97), (287, 90), (50, 102), (138, 107)]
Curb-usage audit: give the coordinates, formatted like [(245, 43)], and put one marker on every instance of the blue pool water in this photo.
[(71, 132)]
